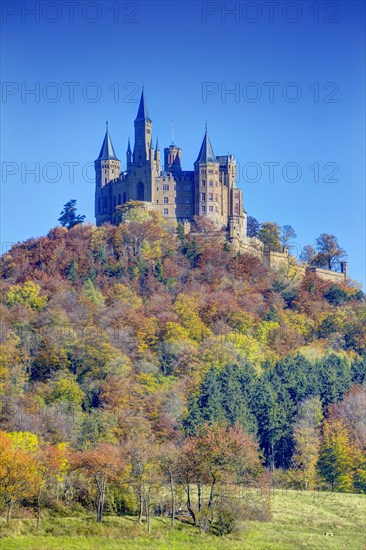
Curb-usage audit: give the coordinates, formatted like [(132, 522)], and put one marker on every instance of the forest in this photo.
[(144, 371)]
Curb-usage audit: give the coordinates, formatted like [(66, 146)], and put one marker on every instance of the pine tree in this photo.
[(210, 400), (68, 217)]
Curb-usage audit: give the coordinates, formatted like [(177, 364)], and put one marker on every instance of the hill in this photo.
[(141, 335)]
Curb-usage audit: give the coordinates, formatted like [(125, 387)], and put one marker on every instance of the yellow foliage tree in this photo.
[(27, 294), (19, 475), (187, 310)]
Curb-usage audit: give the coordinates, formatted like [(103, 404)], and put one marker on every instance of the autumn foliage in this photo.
[(120, 342)]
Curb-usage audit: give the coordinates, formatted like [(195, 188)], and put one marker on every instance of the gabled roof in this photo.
[(107, 150), (142, 113), (206, 153)]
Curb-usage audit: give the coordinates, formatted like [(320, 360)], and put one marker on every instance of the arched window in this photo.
[(119, 198), (236, 209), (124, 197), (140, 191)]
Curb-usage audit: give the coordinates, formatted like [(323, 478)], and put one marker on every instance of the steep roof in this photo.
[(142, 113), (107, 150), (206, 153)]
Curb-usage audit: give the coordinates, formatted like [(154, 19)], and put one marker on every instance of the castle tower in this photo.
[(172, 159), (208, 201), (107, 169), (237, 215), (143, 133)]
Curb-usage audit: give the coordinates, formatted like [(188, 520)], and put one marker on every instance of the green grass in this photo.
[(300, 521)]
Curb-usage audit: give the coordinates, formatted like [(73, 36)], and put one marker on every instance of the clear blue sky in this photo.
[(189, 55)]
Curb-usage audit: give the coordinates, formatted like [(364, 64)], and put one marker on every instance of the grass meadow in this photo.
[(300, 520)]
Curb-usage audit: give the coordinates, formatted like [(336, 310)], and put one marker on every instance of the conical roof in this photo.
[(107, 150), (206, 153), (142, 113)]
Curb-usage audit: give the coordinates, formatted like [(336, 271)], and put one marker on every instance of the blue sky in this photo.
[(296, 72)]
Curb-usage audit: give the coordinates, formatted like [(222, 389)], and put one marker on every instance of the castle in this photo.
[(209, 190)]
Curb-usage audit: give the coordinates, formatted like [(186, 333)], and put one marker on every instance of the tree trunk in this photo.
[(141, 510), (8, 511), (199, 495), (212, 491), (210, 502), (147, 505), (38, 510), (189, 504), (172, 496), (101, 485)]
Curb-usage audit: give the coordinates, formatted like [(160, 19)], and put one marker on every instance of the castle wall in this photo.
[(328, 275)]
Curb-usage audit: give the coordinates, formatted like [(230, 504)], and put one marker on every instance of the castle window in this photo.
[(203, 183), (210, 171), (157, 188), (157, 201), (187, 188), (119, 198), (216, 198), (105, 180), (166, 211), (147, 131), (210, 208), (124, 197), (166, 200), (211, 183), (216, 209), (203, 208), (187, 200), (210, 197), (165, 187), (187, 213), (236, 209), (203, 196)]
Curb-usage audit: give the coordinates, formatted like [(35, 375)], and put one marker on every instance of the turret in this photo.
[(157, 155), (143, 133), (208, 199), (107, 169), (151, 152), (107, 165), (172, 159), (129, 155)]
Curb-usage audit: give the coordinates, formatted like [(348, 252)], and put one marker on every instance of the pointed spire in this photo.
[(142, 113), (151, 143), (129, 146), (107, 150), (157, 145), (206, 153)]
